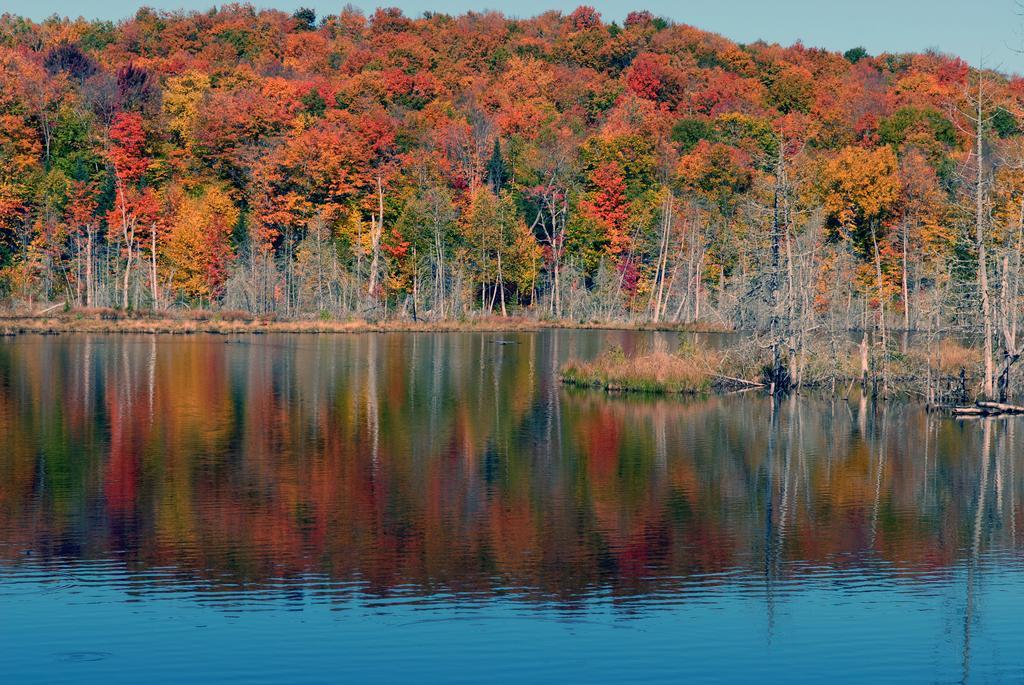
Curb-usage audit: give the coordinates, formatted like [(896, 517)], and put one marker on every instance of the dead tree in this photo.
[(978, 118), (779, 376)]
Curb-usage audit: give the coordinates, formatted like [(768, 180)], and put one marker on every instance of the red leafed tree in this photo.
[(403, 271), (127, 143), (652, 77), (608, 205), (584, 17), (135, 208)]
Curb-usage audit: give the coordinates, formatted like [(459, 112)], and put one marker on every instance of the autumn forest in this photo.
[(559, 167)]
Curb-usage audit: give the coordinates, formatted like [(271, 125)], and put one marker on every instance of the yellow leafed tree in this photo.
[(182, 99), (198, 250)]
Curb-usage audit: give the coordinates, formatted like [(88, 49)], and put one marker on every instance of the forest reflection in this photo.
[(427, 463)]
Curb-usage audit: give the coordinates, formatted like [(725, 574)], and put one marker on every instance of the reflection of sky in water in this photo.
[(437, 507), (880, 631)]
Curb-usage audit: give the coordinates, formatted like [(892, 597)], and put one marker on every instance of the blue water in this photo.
[(438, 509), (96, 622)]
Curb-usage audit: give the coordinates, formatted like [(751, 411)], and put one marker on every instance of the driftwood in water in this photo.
[(739, 381), (968, 411), (987, 409), (1001, 407)]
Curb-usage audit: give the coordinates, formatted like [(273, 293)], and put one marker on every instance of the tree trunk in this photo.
[(501, 286), (906, 284), (864, 359), (88, 267), (979, 238), (154, 285), (880, 284), (439, 294), (415, 283), (696, 294), (376, 231), (128, 232), (666, 224)]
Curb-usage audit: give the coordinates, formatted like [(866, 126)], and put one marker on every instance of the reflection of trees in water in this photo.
[(995, 514), (452, 461)]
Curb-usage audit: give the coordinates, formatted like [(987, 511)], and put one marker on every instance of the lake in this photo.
[(436, 507)]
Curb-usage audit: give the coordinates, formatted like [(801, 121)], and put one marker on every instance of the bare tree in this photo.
[(979, 116)]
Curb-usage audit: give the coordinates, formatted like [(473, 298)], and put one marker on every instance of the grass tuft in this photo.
[(691, 370)]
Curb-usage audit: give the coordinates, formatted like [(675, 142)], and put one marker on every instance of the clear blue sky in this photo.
[(971, 29)]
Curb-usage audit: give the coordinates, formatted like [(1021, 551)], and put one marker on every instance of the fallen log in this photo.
[(1001, 408), (741, 381), (984, 408), (969, 411), (49, 309)]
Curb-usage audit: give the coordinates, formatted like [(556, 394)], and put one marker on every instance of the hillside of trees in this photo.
[(559, 166)]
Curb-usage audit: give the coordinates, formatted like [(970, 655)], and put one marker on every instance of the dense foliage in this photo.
[(443, 165)]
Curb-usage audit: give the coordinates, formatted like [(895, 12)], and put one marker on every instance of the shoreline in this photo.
[(665, 375), (68, 323)]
